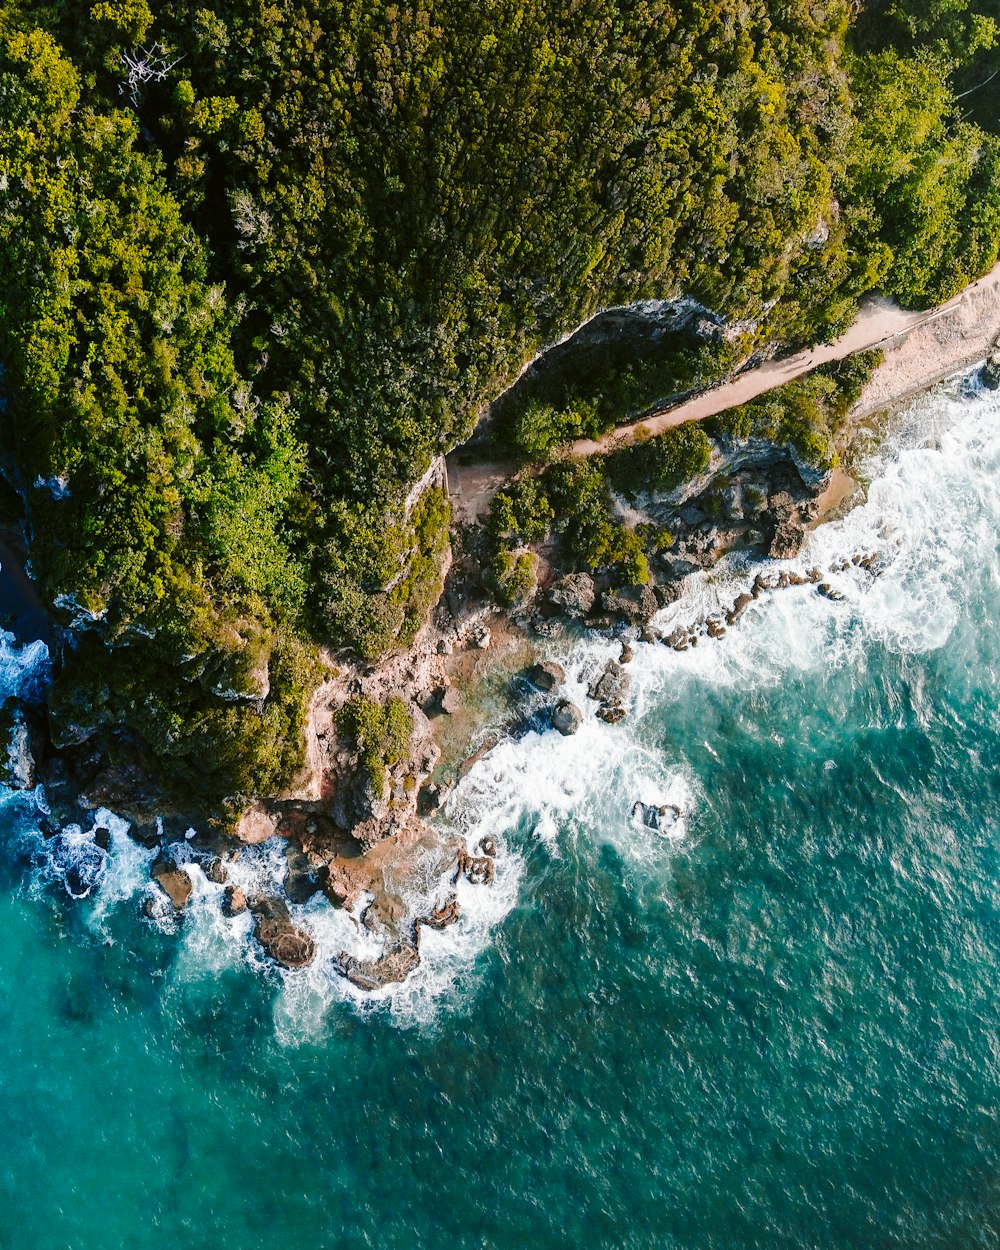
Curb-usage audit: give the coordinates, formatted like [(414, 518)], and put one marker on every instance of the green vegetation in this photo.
[(660, 464), (381, 733), (805, 414), (571, 503), (260, 263), (589, 390)]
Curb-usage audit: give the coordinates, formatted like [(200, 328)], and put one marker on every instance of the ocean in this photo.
[(773, 1024)]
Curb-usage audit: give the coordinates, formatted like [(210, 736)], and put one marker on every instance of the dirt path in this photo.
[(922, 347)]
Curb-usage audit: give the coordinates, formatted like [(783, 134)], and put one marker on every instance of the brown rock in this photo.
[(372, 974), (442, 916), (567, 718), (256, 826), (284, 941), (174, 882), (342, 884), (451, 700), (234, 901), (612, 686), (611, 715), (547, 675), (738, 608)]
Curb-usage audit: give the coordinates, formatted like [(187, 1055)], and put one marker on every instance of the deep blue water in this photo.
[(777, 1028)]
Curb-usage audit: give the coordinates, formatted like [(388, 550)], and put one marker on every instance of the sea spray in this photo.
[(932, 513)]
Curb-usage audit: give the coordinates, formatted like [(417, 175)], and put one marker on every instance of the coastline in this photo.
[(466, 683)]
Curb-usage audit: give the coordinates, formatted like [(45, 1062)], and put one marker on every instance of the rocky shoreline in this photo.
[(370, 844)]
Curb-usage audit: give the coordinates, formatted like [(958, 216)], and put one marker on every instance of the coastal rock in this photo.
[(635, 604), (300, 879), (567, 718), (343, 882), (449, 911), (215, 870), (829, 592), (739, 607), (547, 675), (79, 861), (990, 373), (373, 974), (626, 654), (283, 940), (612, 686), (146, 833), (611, 715), (174, 882), (430, 799), (234, 901), (789, 535), (256, 826), (574, 595), (451, 700), (659, 817), (22, 745)]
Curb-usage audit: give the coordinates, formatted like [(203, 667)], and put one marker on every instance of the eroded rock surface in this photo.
[(284, 941)]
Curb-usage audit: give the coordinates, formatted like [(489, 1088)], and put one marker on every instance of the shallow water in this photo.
[(776, 1027)]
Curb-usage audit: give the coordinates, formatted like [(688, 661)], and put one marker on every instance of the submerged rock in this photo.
[(567, 718), (80, 862), (283, 940), (611, 715), (547, 675)]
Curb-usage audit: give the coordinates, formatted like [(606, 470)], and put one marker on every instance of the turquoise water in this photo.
[(777, 1027)]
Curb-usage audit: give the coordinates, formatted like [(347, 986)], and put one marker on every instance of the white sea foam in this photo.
[(932, 516)]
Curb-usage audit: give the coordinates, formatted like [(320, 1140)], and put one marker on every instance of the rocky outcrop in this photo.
[(547, 675), (574, 595), (234, 901), (173, 881), (22, 744), (990, 373), (659, 817), (284, 941), (633, 604), (374, 974), (612, 686), (301, 878), (567, 718)]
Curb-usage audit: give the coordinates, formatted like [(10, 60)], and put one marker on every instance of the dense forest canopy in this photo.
[(262, 260)]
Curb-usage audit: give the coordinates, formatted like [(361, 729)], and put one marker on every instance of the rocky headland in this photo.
[(364, 835)]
